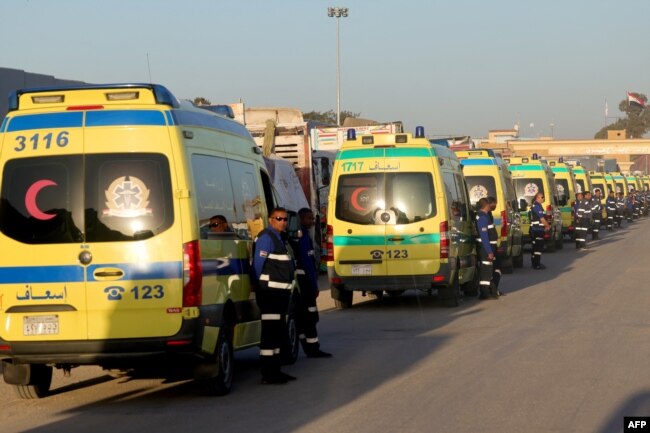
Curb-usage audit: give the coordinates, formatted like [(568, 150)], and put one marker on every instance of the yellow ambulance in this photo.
[(106, 196), (399, 218), (533, 175), (488, 175), (566, 189), (583, 183)]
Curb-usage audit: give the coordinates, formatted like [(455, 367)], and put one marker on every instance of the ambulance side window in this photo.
[(214, 194), (453, 197), (248, 199)]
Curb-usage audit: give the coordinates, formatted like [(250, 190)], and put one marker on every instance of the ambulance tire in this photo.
[(40, 380), (342, 298), (291, 347), (375, 294), (518, 261), (221, 384), (451, 294)]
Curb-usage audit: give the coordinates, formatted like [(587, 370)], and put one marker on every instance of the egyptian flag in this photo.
[(633, 98)]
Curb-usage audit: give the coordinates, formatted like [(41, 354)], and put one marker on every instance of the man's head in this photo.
[(579, 195), (306, 217), (597, 192), (278, 219), (492, 202), (218, 224), (483, 204), (587, 195)]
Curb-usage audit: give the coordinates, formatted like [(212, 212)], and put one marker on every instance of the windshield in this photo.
[(92, 198), (404, 197)]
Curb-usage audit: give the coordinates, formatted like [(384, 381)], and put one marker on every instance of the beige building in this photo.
[(616, 146)]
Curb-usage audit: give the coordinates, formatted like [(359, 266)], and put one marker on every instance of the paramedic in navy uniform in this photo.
[(274, 269)]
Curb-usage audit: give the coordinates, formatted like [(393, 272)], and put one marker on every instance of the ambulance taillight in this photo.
[(192, 274), (444, 240), (330, 243)]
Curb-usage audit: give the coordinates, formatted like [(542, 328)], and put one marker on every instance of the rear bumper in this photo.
[(392, 282), (116, 352)]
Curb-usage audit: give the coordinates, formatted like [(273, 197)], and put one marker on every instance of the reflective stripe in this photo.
[(485, 283), (279, 285), (490, 226), (537, 253), (580, 240), (486, 262), (301, 336), (282, 257), (312, 309), (498, 271), (267, 352), (276, 351), (271, 316), (264, 277), (493, 242), (300, 272), (312, 340)]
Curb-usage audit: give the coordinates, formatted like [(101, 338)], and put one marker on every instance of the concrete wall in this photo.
[(14, 79)]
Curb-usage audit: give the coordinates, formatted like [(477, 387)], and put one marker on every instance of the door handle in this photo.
[(108, 274)]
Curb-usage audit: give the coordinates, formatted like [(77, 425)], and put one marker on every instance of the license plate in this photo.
[(40, 325), (361, 269)]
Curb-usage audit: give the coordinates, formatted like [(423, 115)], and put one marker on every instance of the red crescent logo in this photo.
[(30, 199), (354, 199)]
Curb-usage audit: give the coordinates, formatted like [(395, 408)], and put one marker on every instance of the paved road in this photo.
[(567, 350)]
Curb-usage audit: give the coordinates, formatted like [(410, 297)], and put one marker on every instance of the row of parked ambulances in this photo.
[(105, 194), (401, 213)]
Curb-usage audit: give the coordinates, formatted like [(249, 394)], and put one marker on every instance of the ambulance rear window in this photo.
[(480, 187), (527, 188), (408, 197), (91, 198)]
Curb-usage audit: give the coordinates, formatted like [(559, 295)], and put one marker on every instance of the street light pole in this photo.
[(338, 12)]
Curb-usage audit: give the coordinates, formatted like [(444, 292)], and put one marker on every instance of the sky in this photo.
[(456, 67)]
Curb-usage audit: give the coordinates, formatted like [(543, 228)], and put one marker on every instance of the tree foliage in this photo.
[(200, 100), (328, 117), (636, 121)]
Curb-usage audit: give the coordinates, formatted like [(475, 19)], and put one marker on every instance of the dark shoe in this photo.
[(540, 266), (274, 380), (319, 354), (286, 376)]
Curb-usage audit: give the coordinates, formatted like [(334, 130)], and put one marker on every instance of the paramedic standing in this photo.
[(307, 276), (538, 226), (485, 251), (274, 269)]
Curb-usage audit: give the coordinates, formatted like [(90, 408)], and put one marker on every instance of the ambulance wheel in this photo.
[(375, 294), (221, 383), (450, 295), (518, 261), (342, 298), (291, 347), (38, 385)]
